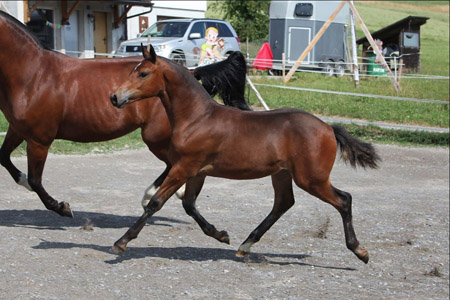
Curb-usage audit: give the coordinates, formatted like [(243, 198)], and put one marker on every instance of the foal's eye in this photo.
[(143, 74)]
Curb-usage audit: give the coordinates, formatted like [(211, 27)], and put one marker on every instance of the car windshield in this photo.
[(166, 29)]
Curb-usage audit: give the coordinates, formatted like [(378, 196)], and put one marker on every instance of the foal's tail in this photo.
[(354, 151)]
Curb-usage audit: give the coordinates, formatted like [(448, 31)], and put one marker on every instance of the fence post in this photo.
[(355, 67), (283, 57), (395, 68), (400, 70), (374, 46)]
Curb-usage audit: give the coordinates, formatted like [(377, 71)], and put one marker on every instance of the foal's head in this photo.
[(145, 81)]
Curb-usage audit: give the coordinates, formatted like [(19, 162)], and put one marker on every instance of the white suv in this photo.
[(181, 39)]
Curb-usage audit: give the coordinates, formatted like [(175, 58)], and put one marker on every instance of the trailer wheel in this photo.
[(328, 69), (339, 69)]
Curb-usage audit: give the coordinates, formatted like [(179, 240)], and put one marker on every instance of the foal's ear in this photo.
[(151, 56)]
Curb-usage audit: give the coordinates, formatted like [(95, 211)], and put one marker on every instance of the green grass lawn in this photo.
[(405, 112)]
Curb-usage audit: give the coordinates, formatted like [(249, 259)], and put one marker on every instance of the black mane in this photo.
[(226, 78)]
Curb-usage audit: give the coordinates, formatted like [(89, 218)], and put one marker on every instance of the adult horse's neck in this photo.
[(183, 97), (20, 50)]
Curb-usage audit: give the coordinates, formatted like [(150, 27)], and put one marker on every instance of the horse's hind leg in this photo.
[(11, 142), (342, 201), (37, 155), (193, 188), (284, 199), (151, 189)]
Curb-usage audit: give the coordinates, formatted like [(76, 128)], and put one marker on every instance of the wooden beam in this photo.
[(314, 41), (33, 9), (119, 20), (66, 14), (374, 46)]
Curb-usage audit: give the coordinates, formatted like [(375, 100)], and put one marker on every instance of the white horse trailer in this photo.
[(293, 25)]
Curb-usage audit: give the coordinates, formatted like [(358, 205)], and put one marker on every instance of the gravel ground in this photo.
[(401, 215)]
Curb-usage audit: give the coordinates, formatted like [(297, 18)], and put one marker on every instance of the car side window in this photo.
[(224, 31), (199, 27)]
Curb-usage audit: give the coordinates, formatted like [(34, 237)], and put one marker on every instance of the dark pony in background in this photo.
[(226, 78), (46, 95)]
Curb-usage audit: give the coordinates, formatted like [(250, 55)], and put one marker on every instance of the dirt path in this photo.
[(401, 215)]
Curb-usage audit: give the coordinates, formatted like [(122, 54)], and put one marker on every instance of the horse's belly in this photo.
[(239, 171)]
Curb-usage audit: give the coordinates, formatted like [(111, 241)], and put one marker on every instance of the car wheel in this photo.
[(178, 58)]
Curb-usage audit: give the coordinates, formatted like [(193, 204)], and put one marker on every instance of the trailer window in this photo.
[(304, 9)]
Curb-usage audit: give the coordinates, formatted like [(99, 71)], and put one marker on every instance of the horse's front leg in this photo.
[(37, 155), (174, 180), (11, 142)]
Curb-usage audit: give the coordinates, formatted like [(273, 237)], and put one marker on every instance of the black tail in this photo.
[(354, 151), (226, 78)]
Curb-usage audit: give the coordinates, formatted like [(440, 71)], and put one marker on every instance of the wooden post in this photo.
[(374, 46), (354, 49), (26, 9), (246, 47), (283, 57), (123, 16), (314, 41), (400, 70)]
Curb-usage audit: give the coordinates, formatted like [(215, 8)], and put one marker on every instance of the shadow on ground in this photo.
[(44, 219), (198, 254)]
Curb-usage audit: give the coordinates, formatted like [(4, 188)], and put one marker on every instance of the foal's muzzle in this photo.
[(113, 98)]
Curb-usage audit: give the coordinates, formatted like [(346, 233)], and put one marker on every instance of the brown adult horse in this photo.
[(46, 95), (286, 144)]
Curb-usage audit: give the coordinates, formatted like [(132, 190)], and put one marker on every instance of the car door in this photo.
[(195, 44), (226, 34)]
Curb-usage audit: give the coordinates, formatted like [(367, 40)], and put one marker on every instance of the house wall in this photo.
[(85, 20), (85, 26)]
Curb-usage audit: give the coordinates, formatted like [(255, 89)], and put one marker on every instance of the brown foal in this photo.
[(286, 144)]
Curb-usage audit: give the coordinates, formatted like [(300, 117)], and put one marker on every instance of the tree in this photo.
[(249, 18)]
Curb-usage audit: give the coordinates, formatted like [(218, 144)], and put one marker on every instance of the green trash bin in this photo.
[(374, 68)]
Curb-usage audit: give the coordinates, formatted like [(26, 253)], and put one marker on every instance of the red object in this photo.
[(264, 58)]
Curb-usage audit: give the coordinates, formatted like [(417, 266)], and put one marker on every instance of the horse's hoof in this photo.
[(241, 253), (362, 254), (64, 210), (117, 250), (223, 237)]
